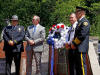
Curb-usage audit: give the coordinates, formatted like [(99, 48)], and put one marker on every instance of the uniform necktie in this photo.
[(13, 27), (70, 33), (34, 29)]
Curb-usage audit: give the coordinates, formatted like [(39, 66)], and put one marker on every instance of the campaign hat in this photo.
[(14, 17)]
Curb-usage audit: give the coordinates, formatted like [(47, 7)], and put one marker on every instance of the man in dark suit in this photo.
[(81, 41), (13, 44), (71, 52)]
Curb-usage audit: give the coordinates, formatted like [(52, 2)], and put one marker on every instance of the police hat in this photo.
[(80, 9), (14, 17)]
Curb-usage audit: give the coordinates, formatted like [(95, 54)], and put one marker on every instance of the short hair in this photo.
[(73, 14), (37, 17), (84, 12)]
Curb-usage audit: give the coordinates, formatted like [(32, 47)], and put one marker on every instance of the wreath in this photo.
[(57, 35)]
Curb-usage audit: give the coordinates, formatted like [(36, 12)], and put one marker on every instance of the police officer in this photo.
[(81, 41), (13, 44)]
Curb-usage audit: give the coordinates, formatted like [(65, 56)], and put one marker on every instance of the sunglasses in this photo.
[(34, 19)]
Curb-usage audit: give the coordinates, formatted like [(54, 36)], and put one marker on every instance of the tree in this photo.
[(50, 11)]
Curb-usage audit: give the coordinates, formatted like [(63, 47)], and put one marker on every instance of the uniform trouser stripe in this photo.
[(82, 64)]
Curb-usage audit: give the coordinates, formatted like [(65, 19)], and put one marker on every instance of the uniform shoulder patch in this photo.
[(8, 27), (85, 23)]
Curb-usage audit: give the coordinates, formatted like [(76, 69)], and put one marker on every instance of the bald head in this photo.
[(37, 17), (35, 20)]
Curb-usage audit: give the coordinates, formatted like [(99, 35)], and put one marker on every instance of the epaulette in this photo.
[(20, 26), (8, 27)]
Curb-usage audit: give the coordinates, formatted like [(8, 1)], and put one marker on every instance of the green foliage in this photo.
[(50, 11), (94, 18)]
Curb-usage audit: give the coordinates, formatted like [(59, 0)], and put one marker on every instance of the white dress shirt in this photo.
[(71, 33)]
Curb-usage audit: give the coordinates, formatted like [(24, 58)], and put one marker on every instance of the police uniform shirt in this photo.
[(81, 18), (71, 33), (81, 38), (15, 34)]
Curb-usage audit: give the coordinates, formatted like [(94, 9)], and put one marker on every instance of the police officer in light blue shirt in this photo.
[(13, 44)]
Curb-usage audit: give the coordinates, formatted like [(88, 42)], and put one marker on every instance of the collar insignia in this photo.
[(79, 24)]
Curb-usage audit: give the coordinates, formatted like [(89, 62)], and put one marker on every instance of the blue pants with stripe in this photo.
[(80, 61)]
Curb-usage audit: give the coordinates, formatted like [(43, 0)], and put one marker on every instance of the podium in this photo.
[(60, 66)]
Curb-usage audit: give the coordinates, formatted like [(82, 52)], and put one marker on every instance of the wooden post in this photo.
[(23, 67), (55, 61), (89, 71), (67, 60), (49, 59)]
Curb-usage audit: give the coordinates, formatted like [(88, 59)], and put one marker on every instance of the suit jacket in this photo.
[(16, 35), (81, 37), (38, 37)]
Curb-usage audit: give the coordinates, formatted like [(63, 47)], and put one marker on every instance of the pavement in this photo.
[(45, 55), (44, 61)]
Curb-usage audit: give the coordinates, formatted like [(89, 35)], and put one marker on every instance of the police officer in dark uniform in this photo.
[(13, 44), (81, 41)]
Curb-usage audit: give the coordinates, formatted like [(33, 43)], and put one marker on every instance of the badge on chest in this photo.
[(18, 29)]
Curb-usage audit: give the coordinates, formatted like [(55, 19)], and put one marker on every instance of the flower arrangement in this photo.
[(57, 35)]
